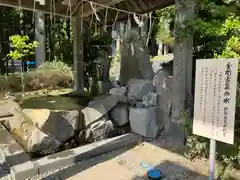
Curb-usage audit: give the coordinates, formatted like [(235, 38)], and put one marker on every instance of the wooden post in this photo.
[(183, 61), (78, 30)]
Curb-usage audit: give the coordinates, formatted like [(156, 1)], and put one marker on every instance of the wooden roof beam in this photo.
[(142, 5), (128, 6), (150, 4), (29, 6), (134, 5), (160, 4)]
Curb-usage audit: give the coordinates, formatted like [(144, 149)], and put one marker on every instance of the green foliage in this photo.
[(197, 147), (166, 17), (36, 80), (216, 27), (56, 66), (59, 39), (92, 46), (232, 49), (231, 28), (4, 84), (22, 47)]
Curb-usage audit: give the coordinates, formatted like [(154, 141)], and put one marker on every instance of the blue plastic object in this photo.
[(30, 63), (154, 174)]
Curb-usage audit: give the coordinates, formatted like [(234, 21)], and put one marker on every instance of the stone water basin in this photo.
[(52, 123)]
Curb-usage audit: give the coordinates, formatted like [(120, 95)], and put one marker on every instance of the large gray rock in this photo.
[(32, 139), (120, 94), (103, 86), (41, 143), (139, 87), (135, 61), (98, 130), (119, 115), (60, 124), (98, 108), (118, 91), (150, 99), (163, 84), (143, 121)]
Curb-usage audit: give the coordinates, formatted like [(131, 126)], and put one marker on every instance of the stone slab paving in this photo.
[(125, 164), (15, 163)]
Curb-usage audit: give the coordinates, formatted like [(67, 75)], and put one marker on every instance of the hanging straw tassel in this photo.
[(105, 21), (137, 20)]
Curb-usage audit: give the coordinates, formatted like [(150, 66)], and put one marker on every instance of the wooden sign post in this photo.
[(215, 100)]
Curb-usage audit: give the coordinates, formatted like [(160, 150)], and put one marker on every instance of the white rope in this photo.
[(150, 29), (52, 2), (95, 28), (94, 11), (105, 21), (75, 9), (70, 3), (108, 7), (113, 8), (91, 21), (114, 23), (129, 22), (66, 15), (137, 20)]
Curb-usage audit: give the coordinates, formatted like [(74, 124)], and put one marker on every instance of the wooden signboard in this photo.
[(215, 99)]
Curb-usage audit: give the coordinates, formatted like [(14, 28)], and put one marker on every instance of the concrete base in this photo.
[(23, 167)]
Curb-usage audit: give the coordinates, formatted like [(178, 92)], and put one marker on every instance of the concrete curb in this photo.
[(23, 167), (18, 160), (62, 159)]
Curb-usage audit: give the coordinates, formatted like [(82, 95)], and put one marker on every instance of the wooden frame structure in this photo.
[(66, 7), (81, 10)]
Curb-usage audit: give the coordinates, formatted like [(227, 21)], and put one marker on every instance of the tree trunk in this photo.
[(40, 38), (183, 57)]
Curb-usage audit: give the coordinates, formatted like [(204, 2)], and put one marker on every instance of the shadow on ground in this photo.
[(167, 167)]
